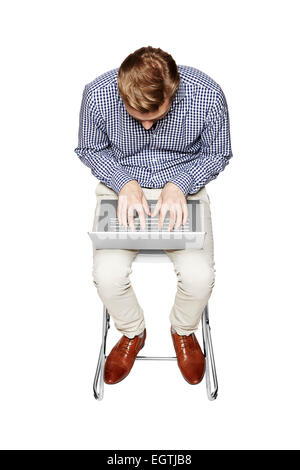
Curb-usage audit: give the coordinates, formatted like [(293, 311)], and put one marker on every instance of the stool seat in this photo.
[(152, 256)]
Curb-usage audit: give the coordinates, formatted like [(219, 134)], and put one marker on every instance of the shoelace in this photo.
[(185, 342), (125, 345)]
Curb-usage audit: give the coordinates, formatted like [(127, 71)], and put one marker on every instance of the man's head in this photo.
[(148, 79)]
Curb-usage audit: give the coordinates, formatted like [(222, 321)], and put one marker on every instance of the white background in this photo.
[(51, 313)]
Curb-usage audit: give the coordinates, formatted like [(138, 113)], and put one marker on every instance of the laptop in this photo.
[(111, 234)]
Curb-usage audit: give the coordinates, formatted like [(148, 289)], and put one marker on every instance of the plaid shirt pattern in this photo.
[(189, 146)]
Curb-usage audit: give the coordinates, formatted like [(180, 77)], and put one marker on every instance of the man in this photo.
[(154, 130)]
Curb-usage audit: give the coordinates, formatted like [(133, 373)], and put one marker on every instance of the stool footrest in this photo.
[(155, 358)]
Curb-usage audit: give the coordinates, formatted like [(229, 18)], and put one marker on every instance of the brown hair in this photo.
[(146, 78)]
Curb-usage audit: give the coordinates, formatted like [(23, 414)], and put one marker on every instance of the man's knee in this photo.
[(197, 281), (111, 277)]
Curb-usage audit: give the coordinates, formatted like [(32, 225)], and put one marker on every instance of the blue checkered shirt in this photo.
[(189, 146)]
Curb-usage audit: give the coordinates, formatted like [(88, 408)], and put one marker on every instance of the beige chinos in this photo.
[(195, 271)]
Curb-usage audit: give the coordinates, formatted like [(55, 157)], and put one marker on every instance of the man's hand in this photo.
[(171, 198), (132, 197)]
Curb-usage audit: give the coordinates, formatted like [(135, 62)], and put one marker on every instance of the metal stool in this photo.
[(210, 370)]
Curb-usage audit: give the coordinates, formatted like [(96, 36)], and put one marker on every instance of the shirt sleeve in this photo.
[(215, 150), (94, 148)]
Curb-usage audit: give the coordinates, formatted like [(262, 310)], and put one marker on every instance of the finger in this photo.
[(120, 210), (162, 215), (141, 214), (179, 214), (131, 217), (172, 218), (185, 212), (157, 208), (124, 214), (146, 206)]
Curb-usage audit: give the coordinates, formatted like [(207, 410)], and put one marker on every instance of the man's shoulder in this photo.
[(189, 75), (198, 79), (103, 81)]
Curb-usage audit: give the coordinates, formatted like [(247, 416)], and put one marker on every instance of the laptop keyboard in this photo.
[(151, 225)]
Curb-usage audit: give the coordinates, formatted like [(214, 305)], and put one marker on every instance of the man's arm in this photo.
[(215, 150), (94, 148)]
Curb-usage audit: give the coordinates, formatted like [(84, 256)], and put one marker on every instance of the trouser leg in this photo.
[(111, 271), (195, 271)]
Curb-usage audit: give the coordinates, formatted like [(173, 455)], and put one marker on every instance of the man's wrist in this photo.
[(184, 181), (119, 179)]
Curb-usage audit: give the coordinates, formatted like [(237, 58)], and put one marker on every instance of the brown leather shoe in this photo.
[(121, 358), (190, 358)]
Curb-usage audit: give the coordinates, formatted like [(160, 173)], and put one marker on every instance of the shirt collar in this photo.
[(180, 94)]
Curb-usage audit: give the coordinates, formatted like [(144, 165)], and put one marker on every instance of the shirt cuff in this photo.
[(119, 179), (184, 181)]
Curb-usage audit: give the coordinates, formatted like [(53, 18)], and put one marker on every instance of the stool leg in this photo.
[(209, 356), (98, 385)]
